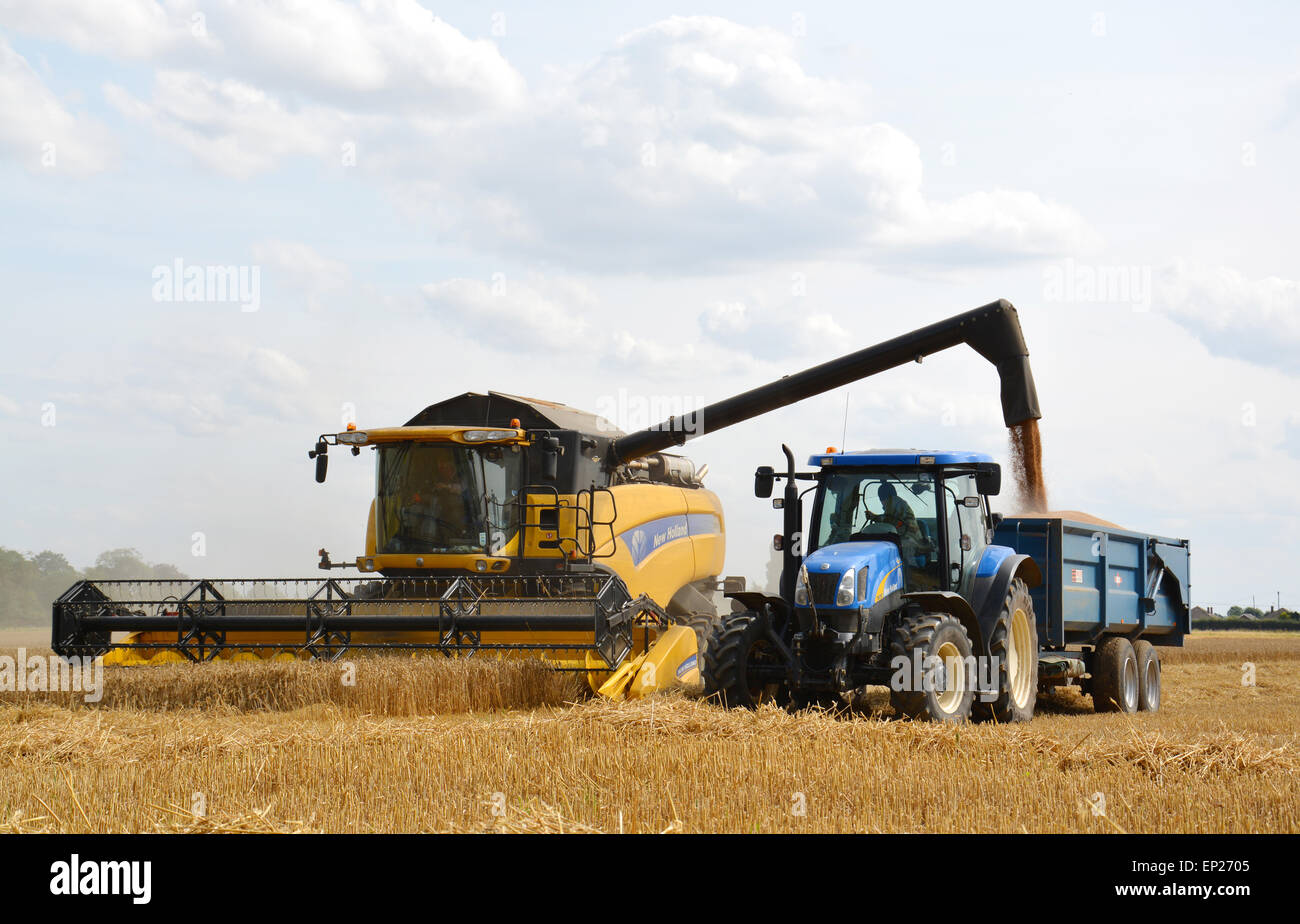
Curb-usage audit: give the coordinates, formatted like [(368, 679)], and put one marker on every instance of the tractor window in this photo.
[(894, 506), (967, 533), (445, 497)]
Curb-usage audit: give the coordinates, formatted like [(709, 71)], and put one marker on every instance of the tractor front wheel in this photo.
[(932, 681), (742, 664)]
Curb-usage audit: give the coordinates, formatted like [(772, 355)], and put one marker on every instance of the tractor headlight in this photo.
[(801, 591), (845, 592)]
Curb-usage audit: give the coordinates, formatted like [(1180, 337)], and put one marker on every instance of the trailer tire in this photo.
[(1115, 676), (738, 642), (931, 635), (1014, 642), (1148, 665)]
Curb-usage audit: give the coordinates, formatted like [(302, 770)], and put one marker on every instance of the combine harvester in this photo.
[(510, 526)]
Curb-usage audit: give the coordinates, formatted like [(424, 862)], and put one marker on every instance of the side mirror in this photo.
[(322, 460), (550, 457), (988, 481), (763, 480)]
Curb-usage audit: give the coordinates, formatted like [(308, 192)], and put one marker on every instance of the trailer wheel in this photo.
[(738, 644), (920, 639), (1148, 666), (1115, 676), (1014, 642)]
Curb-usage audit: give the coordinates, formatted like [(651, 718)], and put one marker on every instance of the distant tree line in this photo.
[(29, 583)]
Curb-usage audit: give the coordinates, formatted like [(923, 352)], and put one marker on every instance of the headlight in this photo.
[(478, 436), (800, 593), (845, 592), (353, 437)]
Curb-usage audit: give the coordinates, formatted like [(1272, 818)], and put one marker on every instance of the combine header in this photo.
[(508, 525)]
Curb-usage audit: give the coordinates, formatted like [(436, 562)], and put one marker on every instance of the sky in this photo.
[(625, 207)]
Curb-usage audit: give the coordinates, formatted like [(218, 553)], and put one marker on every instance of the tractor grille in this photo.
[(823, 588)]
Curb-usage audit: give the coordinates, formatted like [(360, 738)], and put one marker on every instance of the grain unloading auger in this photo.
[(508, 525)]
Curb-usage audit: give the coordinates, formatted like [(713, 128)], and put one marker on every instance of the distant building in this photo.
[(1204, 612)]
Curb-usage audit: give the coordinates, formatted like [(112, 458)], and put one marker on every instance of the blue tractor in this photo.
[(901, 585)]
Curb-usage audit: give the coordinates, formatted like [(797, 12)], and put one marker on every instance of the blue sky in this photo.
[(572, 201)]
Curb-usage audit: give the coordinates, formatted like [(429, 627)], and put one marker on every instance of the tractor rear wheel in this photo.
[(1014, 642), (740, 643), (1148, 665), (928, 641), (1115, 676)]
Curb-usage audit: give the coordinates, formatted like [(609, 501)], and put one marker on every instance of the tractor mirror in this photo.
[(988, 481), (322, 460), (550, 458), (763, 479)]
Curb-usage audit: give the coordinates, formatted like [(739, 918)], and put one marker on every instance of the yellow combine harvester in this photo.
[(503, 526), (499, 525)]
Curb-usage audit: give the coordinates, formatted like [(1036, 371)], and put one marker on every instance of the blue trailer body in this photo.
[(1101, 580)]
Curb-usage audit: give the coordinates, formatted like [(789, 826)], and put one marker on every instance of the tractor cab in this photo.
[(924, 512)]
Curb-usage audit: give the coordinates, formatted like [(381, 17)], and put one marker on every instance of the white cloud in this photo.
[(376, 55), (694, 143), (307, 267), (699, 143), (38, 131), (120, 28), (223, 385), (1257, 320), (232, 127), (516, 316)]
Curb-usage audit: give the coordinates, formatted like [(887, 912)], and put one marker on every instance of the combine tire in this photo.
[(739, 643), (1148, 664), (1014, 642), (943, 696), (1115, 676), (704, 625)]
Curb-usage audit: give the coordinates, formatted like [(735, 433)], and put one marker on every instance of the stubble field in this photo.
[(436, 745)]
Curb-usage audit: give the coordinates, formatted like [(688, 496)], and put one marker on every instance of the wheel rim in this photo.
[(1129, 683), (1153, 683), (1019, 674), (950, 698)]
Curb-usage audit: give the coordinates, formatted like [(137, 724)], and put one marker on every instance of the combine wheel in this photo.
[(704, 625), (1148, 665), (742, 664), (946, 695), (1014, 642), (1115, 681)]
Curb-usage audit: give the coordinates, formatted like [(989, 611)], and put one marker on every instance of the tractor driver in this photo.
[(899, 515)]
